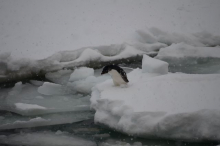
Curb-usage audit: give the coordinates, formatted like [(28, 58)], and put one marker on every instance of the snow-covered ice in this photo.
[(176, 106), (151, 65), (155, 103)]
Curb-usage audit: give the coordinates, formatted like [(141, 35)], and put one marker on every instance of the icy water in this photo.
[(193, 65), (88, 131), (83, 131)]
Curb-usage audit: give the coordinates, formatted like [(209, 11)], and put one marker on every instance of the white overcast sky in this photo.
[(38, 28)]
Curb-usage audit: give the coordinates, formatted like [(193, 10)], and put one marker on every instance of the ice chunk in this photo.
[(29, 107), (12, 121), (25, 108), (151, 65), (45, 139), (59, 77), (168, 106), (81, 73), (85, 86), (53, 89)]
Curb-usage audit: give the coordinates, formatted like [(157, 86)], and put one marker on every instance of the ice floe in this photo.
[(175, 106)]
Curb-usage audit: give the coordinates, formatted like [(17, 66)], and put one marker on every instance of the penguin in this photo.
[(118, 75)]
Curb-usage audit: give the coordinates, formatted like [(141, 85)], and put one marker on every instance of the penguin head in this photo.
[(106, 69)]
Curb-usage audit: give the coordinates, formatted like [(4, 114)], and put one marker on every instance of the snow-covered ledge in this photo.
[(174, 106)]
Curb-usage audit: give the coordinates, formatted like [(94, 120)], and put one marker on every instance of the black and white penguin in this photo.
[(118, 74)]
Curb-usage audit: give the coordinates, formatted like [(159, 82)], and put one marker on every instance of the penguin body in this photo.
[(118, 74)]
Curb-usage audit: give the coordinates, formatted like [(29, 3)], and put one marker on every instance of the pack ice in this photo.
[(156, 104), (42, 103)]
